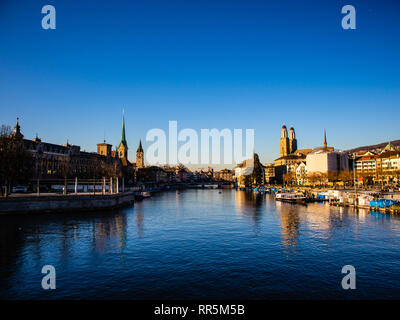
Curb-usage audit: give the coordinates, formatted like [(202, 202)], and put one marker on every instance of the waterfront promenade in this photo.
[(53, 202)]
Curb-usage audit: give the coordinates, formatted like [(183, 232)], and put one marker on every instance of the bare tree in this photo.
[(16, 163), (65, 170)]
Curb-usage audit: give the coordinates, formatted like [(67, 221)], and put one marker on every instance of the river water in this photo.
[(202, 244)]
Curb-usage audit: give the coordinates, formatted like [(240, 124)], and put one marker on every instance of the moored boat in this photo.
[(293, 197), (146, 194)]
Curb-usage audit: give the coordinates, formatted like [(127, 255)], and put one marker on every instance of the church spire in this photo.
[(123, 139), (140, 149), (17, 131), (140, 156)]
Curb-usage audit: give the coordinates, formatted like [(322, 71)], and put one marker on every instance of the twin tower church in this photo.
[(288, 144)]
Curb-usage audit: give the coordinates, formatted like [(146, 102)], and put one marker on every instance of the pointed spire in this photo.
[(325, 143), (123, 139), (140, 149)]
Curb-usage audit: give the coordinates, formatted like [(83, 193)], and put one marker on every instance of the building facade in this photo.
[(325, 160), (140, 156), (53, 162)]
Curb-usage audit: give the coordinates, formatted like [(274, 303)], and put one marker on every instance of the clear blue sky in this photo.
[(223, 64)]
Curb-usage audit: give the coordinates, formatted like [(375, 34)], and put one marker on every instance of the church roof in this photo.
[(17, 131), (322, 150), (302, 151), (140, 149), (289, 157), (125, 162), (123, 139)]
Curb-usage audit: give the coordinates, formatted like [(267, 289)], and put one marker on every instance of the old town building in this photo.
[(53, 162), (140, 156), (290, 156)]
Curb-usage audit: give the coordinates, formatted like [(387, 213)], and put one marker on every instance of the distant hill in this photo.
[(395, 143)]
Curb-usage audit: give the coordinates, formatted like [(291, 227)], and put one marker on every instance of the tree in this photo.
[(311, 177), (182, 167), (317, 177), (346, 176), (322, 177), (333, 176), (255, 178), (16, 163), (258, 171), (290, 177), (66, 170)]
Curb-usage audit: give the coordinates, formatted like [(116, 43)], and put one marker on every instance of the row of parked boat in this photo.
[(361, 199)]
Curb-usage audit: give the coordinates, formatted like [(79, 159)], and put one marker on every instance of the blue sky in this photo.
[(207, 64)]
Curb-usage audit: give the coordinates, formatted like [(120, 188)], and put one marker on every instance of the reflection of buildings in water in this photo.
[(178, 197), (317, 217), (139, 223), (110, 228), (120, 222), (75, 226), (65, 233), (363, 214), (249, 204), (138, 209), (11, 244), (325, 219), (290, 222)]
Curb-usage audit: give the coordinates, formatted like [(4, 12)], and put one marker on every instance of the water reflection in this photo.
[(110, 230), (60, 234), (139, 221), (290, 222), (206, 233), (250, 205)]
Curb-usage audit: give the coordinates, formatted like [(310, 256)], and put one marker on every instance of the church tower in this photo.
[(140, 156), (123, 146), (17, 131), (284, 148), (292, 140)]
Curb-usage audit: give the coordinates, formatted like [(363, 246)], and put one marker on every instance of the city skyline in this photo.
[(206, 65), (197, 166)]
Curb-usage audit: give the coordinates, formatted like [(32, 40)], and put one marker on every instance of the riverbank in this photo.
[(391, 210), (358, 199), (63, 203)]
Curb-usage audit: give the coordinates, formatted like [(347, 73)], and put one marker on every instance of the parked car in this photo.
[(19, 189)]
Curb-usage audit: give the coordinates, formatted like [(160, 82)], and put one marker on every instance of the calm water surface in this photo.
[(202, 244)]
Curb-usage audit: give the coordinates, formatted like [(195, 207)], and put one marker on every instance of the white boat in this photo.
[(146, 194), (291, 197)]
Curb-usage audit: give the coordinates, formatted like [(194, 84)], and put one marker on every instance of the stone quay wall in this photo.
[(64, 203)]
